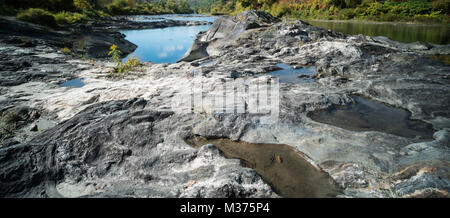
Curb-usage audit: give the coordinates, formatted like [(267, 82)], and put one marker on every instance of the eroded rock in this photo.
[(124, 138)]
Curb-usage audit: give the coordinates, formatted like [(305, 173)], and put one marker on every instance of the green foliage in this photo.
[(115, 53), (352, 3), (49, 5), (221, 7), (66, 51), (70, 11), (131, 7), (122, 68), (43, 17), (38, 16), (390, 10), (338, 3), (442, 5), (280, 10), (348, 13), (69, 18), (81, 5)]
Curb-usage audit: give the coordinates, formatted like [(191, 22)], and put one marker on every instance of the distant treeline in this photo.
[(61, 12), (213, 6), (110, 7), (381, 10)]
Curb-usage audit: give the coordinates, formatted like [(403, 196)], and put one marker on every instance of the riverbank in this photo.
[(86, 40), (380, 22), (127, 137), (421, 11), (402, 32)]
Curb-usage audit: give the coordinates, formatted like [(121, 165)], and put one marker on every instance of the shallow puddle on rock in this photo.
[(371, 115), (73, 83), (281, 166), (290, 75), (207, 63)]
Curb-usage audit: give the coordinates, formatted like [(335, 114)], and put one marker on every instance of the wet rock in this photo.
[(196, 51), (94, 44), (120, 139), (129, 23), (126, 136), (288, 171), (226, 30), (34, 128)]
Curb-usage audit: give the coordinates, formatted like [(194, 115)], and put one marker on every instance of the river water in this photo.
[(371, 115), (168, 45), (165, 45), (437, 34)]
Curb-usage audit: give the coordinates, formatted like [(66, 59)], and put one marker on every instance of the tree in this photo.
[(249, 3)]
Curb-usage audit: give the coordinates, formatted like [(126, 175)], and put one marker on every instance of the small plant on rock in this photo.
[(66, 51), (123, 68), (8, 123), (115, 53)]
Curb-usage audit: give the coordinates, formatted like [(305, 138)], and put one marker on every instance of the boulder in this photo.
[(226, 30)]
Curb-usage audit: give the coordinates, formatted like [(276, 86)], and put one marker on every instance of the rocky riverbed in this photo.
[(126, 138)]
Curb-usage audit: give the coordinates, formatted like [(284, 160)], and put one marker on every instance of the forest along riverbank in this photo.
[(402, 32), (113, 137)]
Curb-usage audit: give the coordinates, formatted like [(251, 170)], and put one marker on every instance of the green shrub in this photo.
[(66, 51), (352, 3), (81, 5), (69, 18), (348, 13), (50, 5), (442, 5), (122, 68), (94, 13), (279, 10), (338, 3), (389, 17), (38, 16)]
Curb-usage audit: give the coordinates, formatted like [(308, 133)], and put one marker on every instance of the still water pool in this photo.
[(281, 166), (165, 45), (288, 74), (371, 115), (77, 83)]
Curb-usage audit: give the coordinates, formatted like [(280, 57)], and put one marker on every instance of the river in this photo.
[(402, 32), (165, 45), (168, 45)]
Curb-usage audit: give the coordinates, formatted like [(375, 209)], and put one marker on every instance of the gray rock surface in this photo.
[(224, 31), (122, 149), (92, 39), (124, 138)]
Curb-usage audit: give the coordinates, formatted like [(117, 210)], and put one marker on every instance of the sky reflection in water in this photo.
[(165, 45)]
